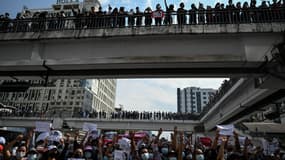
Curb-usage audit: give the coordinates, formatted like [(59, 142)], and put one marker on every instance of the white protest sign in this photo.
[(119, 155), (43, 126), (241, 140), (226, 130), (89, 127)]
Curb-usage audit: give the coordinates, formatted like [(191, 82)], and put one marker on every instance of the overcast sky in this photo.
[(157, 94), (134, 94)]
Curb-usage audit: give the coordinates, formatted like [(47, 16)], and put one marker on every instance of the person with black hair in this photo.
[(201, 14), (230, 12), (158, 14), (131, 18), (147, 16), (138, 16), (168, 14), (181, 14), (193, 14)]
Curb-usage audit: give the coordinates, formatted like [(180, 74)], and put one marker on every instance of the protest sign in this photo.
[(89, 127), (226, 130), (43, 126)]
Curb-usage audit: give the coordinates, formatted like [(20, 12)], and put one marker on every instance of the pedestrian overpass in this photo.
[(105, 124), (218, 50)]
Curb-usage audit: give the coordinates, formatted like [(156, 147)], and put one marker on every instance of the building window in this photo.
[(204, 93)]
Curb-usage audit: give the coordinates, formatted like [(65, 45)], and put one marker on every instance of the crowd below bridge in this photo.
[(59, 145), (248, 12)]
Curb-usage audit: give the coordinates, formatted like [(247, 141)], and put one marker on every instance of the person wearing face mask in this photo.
[(88, 153), (78, 153), (51, 154), (20, 153), (151, 155), (172, 155), (199, 154), (144, 154), (164, 151), (32, 154)]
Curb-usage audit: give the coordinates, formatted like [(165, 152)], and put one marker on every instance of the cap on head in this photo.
[(51, 147), (2, 140)]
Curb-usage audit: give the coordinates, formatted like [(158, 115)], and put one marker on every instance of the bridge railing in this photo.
[(124, 115), (191, 17), (225, 87)]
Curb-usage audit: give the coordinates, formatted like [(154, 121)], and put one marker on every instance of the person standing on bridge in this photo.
[(158, 15), (147, 16), (138, 16), (181, 15), (168, 14)]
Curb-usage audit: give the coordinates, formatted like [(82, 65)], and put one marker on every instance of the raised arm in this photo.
[(166, 6), (222, 149), (173, 139), (246, 143), (9, 146), (133, 144), (237, 145), (181, 145), (215, 143), (158, 135)]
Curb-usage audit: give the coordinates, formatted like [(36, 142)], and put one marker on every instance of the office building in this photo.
[(193, 99), (68, 97)]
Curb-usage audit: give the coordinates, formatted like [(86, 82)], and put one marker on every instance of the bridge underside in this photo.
[(163, 72), (243, 99), (59, 54)]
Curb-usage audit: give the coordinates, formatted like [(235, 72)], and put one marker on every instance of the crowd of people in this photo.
[(127, 115), (119, 17), (55, 145)]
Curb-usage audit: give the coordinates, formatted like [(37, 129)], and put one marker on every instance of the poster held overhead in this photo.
[(89, 127), (43, 126), (226, 130)]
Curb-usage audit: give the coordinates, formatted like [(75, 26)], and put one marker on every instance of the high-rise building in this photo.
[(69, 97), (193, 99), (66, 6)]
